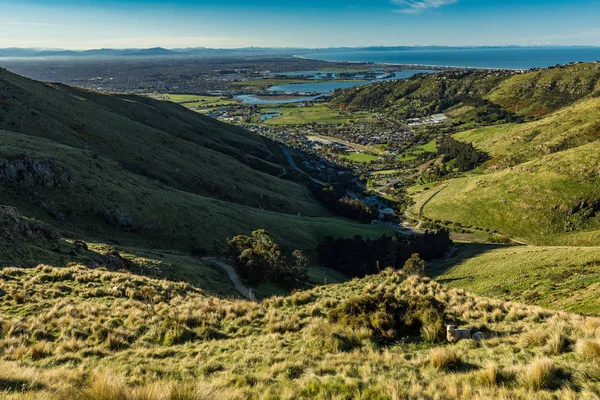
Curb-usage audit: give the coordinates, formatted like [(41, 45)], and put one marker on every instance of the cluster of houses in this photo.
[(430, 120), (385, 213), (369, 133)]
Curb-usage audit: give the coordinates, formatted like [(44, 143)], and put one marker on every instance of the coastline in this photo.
[(415, 66)]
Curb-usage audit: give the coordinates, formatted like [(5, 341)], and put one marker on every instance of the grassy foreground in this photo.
[(80, 333)]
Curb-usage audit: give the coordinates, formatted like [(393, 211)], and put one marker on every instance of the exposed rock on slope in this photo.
[(15, 229), (30, 172)]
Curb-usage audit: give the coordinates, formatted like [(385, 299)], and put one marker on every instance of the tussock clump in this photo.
[(212, 368), (13, 271), (591, 326), (103, 387), (334, 338), (300, 298), (275, 301), (18, 296), (109, 387), (329, 302), (534, 338), (589, 349), (489, 376), (40, 350), (557, 343), (177, 335), (515, 314), (115, 342), (283, 324), (444, 359), (540, 375)]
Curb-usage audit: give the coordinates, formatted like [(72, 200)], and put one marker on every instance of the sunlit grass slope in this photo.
[(562, 278), (552, 195), (89, 334)]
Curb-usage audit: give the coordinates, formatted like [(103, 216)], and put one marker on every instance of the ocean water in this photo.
[(484, 57)]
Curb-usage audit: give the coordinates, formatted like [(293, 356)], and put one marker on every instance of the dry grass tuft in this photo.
[(589, 349), (40, 350), (490, 376), (103, 387), (534, 338), (444, 359), (539, 375), (556, 344)]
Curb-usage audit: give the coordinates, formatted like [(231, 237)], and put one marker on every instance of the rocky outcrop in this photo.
[(14, 228), (29, 171)]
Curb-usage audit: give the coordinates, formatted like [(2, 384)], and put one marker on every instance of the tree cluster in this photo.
[(334, 198), (358, 257), (260, 259), (465, 156)]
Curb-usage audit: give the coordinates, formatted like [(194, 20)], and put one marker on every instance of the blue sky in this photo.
[(83, 24)]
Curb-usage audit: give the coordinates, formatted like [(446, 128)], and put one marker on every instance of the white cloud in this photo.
[(418, 6)]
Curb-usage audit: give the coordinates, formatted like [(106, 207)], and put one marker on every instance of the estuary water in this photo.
[(328, 87)]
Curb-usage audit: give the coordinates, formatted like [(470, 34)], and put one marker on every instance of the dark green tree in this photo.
[(415, 265)]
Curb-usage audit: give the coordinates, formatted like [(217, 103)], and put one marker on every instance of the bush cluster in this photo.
[(389, 317)]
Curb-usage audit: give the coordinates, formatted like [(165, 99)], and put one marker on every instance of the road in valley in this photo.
[(233, 276)]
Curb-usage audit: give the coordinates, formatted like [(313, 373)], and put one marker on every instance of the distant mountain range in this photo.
[(159, 51), (155, 51)]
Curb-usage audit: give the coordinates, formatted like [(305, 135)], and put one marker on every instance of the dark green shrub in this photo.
[(389, 317)]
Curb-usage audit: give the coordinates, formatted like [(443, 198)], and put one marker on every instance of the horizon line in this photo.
[(53, 49)]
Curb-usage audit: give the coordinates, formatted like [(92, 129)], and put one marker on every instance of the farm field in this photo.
[(360, 157), (196, 101), (318, 113)]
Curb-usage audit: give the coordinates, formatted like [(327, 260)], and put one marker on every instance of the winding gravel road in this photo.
[(233, 276)]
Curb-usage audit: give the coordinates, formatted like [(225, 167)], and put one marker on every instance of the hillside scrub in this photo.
[(388, 317), (335, 198)]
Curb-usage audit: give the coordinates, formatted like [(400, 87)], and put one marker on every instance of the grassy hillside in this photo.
[(551, 195), (117, 205), (512, 144), (542, 91), (91, 334), (159, 140), (146, 173), (540, 185), (560, 278), (422, 94), (480, 96)]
